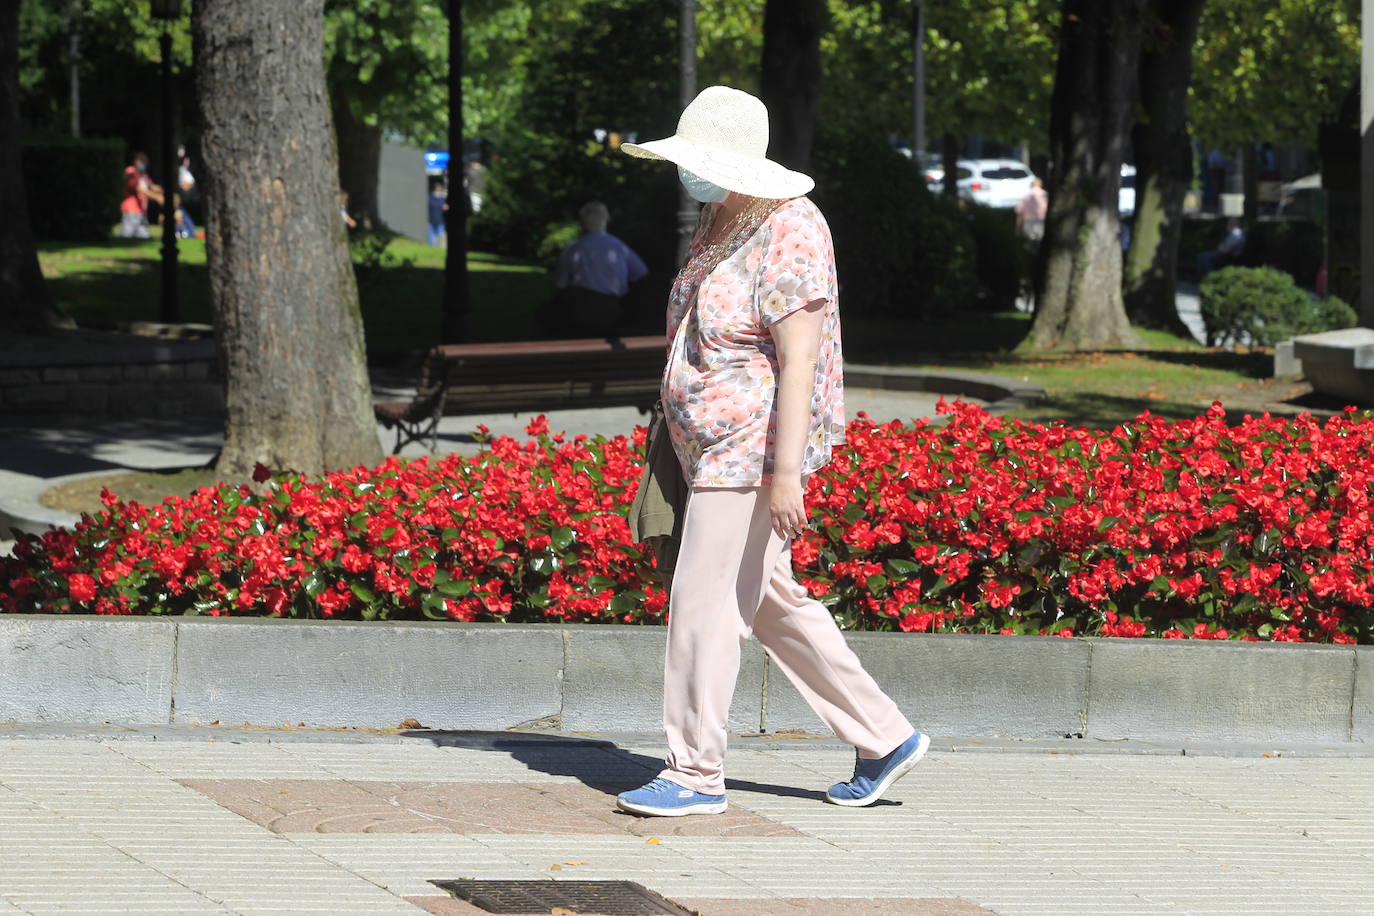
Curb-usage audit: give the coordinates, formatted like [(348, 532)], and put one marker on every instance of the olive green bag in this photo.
[(656, 514)]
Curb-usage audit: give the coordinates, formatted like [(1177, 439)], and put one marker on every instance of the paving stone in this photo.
[(328, 806), (838, 906)]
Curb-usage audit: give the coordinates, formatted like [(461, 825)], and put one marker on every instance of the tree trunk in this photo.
[(1164, 165), (1079, 305), (360, 159), (791, 77), (24, 300), (949, 153), (286, 306), (454, 326)]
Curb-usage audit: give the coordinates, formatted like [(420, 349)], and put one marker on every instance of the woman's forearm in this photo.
[(796, 383), (798, 339)]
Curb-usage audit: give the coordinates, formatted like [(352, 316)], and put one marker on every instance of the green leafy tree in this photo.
[(1276, 70), (386, 72)]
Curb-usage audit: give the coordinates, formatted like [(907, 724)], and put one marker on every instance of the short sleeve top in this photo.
[(720, 382)]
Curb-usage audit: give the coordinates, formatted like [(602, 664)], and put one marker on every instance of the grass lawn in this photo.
[(1172, 377), (119, 281)]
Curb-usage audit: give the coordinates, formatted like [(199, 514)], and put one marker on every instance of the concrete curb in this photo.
[(607, 678)]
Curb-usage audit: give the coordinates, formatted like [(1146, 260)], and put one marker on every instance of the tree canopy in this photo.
[(1272, 71)]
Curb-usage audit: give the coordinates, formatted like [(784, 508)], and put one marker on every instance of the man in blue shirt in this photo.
[(593, 274)]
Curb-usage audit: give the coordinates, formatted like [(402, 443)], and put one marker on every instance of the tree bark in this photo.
[(791, 77), (24, 299), (454, 324), (1079, 303), (360, 160), (286, 305), (1164, 165), (949, 154)]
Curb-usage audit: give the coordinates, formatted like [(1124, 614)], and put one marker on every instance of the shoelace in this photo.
[(660, 784)]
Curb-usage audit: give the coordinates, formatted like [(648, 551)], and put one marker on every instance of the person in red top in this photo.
[(138, 190)]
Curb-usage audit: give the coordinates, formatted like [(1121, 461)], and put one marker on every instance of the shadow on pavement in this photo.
[(595, 762)]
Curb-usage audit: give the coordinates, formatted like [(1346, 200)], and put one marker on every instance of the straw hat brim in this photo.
[(752, 175)]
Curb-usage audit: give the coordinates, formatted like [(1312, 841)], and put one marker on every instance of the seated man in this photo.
[(593, 274), (1225, 254)]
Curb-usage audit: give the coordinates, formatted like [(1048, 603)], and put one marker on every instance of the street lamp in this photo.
[(168, 11)]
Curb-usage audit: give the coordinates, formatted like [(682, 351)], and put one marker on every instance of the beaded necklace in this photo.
[(704, 258)]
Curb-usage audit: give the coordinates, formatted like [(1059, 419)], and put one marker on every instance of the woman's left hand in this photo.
[(787, 506)]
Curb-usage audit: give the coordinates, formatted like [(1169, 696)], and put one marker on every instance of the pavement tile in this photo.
[(335, 806), (833, 906)]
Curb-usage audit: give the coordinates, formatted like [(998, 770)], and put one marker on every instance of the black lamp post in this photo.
[(168, 11)]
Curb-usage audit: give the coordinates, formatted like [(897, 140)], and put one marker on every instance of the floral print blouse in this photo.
[(722, 372)]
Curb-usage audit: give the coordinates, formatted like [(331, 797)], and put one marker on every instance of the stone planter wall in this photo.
[(150, 671)]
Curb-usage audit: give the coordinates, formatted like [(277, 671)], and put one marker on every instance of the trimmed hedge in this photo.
[(1262, 306), (74, 187)]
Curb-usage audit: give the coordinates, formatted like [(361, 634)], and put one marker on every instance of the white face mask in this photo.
[(699, 189)]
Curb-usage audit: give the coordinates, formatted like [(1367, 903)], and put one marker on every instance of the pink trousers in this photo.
[(734, 577)]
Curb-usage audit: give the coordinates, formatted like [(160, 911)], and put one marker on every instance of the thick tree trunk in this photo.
[(286, 306), (791, 77), (1164, 165), (949, 153), (1079, 305), (454, 324), (24, 300), (360, 160)]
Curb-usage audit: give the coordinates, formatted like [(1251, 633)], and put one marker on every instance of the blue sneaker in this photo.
[(872, 777), (664, 798)]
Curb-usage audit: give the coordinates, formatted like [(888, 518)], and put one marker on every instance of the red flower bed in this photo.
[(1187, 529)]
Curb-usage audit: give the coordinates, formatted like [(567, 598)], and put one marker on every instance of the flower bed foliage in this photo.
[(1188, 529)]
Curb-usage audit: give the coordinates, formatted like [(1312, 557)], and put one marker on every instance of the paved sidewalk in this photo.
[(244, 825)]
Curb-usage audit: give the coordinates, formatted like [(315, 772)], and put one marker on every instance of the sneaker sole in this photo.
[(713, 808), (897, 773)]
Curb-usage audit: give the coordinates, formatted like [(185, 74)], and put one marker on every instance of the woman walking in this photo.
[(753, 402)]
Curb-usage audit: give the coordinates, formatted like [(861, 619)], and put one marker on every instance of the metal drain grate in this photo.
[(605, 898)]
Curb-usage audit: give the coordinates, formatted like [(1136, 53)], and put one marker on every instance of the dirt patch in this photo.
[(146, 487)]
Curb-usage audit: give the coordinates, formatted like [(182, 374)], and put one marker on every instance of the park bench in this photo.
[(540, 375)]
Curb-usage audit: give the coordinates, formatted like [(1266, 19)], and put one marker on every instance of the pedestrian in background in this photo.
[(138, 190), (593, 275), (753, 401), (438, 209), (1030, 212)]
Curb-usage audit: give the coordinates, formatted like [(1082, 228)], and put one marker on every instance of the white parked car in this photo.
[(990, 182)]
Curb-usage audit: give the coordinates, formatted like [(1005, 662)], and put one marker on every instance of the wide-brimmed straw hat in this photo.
[(723, 137)]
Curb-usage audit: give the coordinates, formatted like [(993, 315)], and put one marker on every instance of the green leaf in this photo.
[(363, 592), (313, 584), (454, 588), (903, 568), (625, 602), (562, 537), (876, 583)]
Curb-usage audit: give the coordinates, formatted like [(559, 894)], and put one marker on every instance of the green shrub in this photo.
[(1002, 257), (899, 249), (1262, 306), (73, 187), (559, 236)]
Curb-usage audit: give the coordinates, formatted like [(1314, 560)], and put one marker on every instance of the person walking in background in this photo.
[(1030, 212), (1225, 254), (753, 401), (438, 208), (593, 274), (138, 190), (348, 219)]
